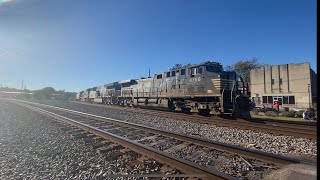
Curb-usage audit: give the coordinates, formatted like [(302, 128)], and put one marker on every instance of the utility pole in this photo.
[(22, 86)]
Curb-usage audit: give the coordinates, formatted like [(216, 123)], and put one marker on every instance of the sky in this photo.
[(77, 44)]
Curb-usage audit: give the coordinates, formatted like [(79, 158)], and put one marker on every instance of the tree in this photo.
[(243, 67), (175, 67), (179, 66), (69, 96), (187, 65), (44, 93), (9, 89)]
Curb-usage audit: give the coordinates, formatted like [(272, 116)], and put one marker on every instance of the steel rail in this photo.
[(278, 128), (163, 157), (250, 153), (298, 125)]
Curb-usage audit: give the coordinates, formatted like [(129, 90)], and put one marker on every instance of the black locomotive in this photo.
[(201, 88)]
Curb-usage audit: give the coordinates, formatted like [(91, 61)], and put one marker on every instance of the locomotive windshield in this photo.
[(213, 68)]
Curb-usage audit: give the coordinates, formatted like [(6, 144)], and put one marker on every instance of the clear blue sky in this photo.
[(76, 44)]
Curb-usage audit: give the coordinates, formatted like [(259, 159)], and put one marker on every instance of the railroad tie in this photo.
[(105, 149), (79, 135)]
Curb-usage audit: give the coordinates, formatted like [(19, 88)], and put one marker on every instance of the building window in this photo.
[(292, 100), (168, 74), (159, 76), (272, 81), (285, 100), (264, 99), (267, 99)]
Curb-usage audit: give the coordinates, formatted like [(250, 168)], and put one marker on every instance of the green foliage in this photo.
[(179, 66), (255, 111), (176, 66), (296, 114), (69, 96), (187, 65), (271, 113), (243, 67), (9, 89), (288, 114), (313, 109), (45, 93), (50, 93)]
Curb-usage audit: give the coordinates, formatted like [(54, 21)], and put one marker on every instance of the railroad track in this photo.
[(169, 142), (278, 128), (191, 169)]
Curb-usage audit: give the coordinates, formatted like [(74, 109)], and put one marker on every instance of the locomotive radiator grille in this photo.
[(223, 83)]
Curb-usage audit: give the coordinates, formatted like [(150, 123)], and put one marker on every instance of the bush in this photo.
[(298, 114), (288, 114), (254, 111), (271, 113)]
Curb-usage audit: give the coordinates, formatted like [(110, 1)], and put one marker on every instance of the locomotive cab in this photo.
[(216, 92)]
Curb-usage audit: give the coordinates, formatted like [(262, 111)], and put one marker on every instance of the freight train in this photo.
[(200, 88)]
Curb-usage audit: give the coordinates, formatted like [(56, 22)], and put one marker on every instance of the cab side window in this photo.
[(194, 71), (183, 71), (168, 74)]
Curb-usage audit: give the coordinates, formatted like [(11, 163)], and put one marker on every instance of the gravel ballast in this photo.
[(285, 145), (33, 146)]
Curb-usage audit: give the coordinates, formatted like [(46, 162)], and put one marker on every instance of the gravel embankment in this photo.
[(33, 146), (227, 163), (286, 145)]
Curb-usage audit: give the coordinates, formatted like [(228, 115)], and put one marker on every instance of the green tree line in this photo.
[(44, 93)]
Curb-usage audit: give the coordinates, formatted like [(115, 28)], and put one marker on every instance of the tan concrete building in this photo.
[(292, 85)]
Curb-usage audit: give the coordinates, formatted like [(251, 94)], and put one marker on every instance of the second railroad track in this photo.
[(209, 157)]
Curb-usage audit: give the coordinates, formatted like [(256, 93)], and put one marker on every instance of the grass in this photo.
[(280, 118)]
